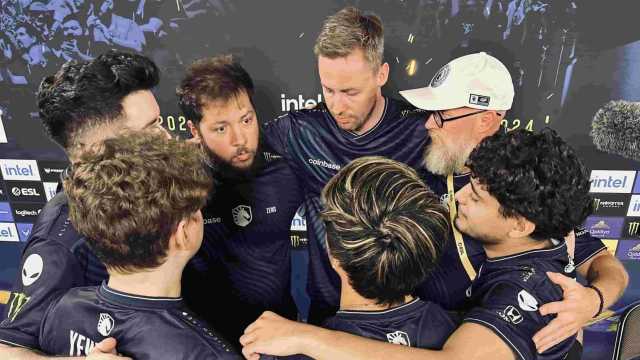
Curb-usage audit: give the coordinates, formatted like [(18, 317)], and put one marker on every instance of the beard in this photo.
[(444, 159), (224, 170)]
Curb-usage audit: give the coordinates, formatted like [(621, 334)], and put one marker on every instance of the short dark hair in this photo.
[(128, 194), (88, 93), (536, 176), (385, 227), (212, 79)]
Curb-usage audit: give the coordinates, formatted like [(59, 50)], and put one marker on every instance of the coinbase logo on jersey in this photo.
[(609, 181), (19, 169)]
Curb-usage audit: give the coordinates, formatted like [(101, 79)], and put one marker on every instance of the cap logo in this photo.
[(440, 76), (480, 100)]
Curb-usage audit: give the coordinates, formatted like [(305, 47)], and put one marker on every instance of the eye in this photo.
[(247, 120), (220, 129)]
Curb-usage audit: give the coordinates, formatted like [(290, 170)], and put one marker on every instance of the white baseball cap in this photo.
[(478, 81)]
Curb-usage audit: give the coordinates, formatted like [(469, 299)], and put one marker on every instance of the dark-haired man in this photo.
[(145, 238), (516, 206), (246, 254), (83, 103)]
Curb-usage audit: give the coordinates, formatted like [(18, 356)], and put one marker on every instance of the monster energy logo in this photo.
[(596, 204), (633, 228), (17, 302)]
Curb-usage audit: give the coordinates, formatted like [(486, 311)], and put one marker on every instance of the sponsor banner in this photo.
[(611, 245), (50, 189), (5, 212), (26, 191), (612, 181), (632, 228), (610, 204), (634, 206), (24, 230), (21, 170), (604, 227), (51, 170), (636, 189), (8, 232), (628, 250), (26, 212)]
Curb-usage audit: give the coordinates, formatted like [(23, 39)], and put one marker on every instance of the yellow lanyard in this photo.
[(462, 251)]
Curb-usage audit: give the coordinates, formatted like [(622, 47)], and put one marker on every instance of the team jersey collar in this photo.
[(557, 251), (137, 301), (400, 310)]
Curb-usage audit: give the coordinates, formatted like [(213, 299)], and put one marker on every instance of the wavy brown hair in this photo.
[(128, 194)]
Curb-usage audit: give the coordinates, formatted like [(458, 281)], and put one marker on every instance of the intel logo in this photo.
[(19, 169), (610, 181)]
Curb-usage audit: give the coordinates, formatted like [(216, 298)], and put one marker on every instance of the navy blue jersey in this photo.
[(448, 282), (507, 293), (245, 259), (55, 258), (314, 145), (145, 328), (417, 323)]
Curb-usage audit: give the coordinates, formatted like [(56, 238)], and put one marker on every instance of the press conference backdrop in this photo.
[(566, 57)]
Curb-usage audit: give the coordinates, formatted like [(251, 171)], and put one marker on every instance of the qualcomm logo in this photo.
[(19, 169), (634, 206), (634, 252), (608, 181)]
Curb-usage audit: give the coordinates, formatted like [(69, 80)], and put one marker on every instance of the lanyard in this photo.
[(462, 251)]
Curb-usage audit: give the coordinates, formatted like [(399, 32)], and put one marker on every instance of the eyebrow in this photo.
[(341, 90)]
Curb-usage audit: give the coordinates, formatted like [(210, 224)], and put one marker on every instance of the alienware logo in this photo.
[(32, 269), (242, 215), (399, 338), (105, 324)]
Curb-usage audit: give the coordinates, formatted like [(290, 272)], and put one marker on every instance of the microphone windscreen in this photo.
[(615, 129)]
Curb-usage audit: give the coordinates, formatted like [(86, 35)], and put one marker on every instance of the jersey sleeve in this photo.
[(46, 269), (510, 312), (587, 246), (276, 132)]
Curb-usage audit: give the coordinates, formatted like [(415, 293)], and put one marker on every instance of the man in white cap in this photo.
[(469, 98)]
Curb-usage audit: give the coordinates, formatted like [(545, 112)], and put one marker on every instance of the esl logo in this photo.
[(608, 181), (19, 169), (634, 206)]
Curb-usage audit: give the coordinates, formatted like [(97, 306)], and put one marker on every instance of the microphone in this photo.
[(615, 129)]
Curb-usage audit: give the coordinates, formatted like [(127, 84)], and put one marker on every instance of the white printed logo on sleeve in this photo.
[(399, 338), (32, 269), (526, 301), (105, 324)]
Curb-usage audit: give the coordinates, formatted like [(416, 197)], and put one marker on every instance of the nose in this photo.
[(431, 122), (238, 137), (463, 194), (339, 104)]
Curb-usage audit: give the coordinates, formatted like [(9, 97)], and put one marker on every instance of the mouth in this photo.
[(243, 157)]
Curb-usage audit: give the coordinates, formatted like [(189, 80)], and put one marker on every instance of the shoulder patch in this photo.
[(32, 269)]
